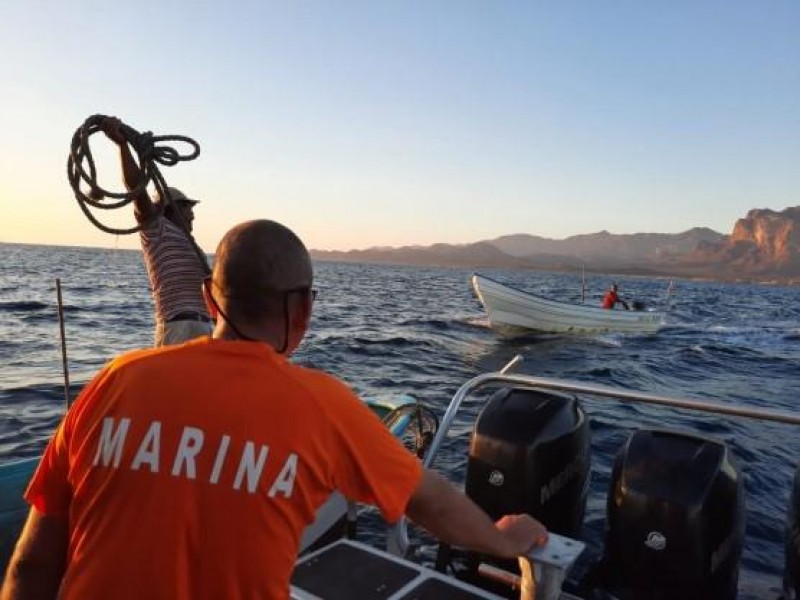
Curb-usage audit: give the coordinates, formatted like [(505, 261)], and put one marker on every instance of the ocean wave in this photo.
[(24, 305)]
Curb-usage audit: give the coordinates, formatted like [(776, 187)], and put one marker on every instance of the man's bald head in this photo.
[(255, 263)]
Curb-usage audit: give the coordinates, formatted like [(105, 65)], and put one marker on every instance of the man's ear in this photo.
[(210, 304), (299, 319), (301, 315)]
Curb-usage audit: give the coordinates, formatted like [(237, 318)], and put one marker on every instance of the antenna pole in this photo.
[(63, 342), (583, 284)]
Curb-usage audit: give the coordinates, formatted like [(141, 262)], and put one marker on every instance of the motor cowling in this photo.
[(791, 578), (675, 519), (530, 453)]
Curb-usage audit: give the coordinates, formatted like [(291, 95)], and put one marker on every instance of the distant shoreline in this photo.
[(610, 271), (789, 282)]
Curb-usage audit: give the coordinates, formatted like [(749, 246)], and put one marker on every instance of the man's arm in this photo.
[(453, 518), (37, 565), (376, 469), (143, 207)]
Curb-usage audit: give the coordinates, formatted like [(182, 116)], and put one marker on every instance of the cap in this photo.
[(178, 196)]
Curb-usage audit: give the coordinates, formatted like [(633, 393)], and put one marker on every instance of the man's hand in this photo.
[(522, 532), (111, 127), (456, 520)]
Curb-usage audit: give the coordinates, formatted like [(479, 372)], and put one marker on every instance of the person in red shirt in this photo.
[(612, 298), (191, 471)]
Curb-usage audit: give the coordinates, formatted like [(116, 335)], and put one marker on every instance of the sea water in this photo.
[(390, 330)]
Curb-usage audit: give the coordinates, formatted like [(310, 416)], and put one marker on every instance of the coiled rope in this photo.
[(423, 425), (150, 152)]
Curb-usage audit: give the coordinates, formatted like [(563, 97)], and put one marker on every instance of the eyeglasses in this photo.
[(302, 289)]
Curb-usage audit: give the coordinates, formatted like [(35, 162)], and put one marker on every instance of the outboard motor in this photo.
[(791, 577), (675, 519), (530, 453)]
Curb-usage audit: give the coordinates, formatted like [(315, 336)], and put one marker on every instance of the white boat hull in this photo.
[(508, 308)]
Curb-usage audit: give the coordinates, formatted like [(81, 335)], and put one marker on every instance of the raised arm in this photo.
[(455, 519), (38, 562), (143, 207)]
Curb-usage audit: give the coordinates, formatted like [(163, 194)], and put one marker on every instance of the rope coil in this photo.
[(151, 151), (423, 424)]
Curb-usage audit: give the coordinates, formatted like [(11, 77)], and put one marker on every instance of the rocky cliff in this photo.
[(765, 244)]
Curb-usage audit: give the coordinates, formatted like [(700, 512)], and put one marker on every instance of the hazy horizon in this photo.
[(210, 251)]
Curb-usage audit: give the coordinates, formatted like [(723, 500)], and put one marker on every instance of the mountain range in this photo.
[(763, 246)]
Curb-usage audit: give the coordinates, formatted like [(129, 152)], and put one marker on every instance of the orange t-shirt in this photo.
[(610, 299), (192, 471)]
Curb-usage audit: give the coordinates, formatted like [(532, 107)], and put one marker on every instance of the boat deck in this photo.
[(348, 569)]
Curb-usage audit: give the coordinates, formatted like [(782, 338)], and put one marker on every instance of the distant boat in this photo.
[(509, 308)]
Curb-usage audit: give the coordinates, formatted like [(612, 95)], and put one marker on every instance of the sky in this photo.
[(362, 124)]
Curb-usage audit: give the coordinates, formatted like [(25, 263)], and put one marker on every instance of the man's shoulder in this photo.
[(153, 228), (110, 374), (321, 382), (328, 394), (132, 357), (336, 403), (161, 231)]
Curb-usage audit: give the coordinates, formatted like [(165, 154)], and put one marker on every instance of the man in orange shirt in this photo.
[(612, 298), (191, 471)]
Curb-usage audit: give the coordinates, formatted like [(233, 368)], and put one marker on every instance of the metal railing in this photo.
[(398, 542)]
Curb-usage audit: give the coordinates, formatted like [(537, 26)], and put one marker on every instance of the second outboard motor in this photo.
[(530, 453), (791, 577), (675, 519)]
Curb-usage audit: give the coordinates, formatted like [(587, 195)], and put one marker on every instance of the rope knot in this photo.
[(148, 148), (143, 144)]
